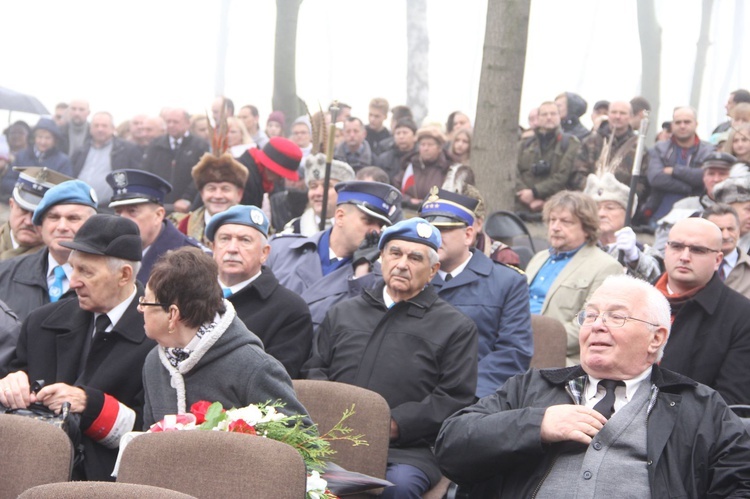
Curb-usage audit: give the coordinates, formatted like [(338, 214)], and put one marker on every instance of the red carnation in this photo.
[(199, 409), (240, 426)]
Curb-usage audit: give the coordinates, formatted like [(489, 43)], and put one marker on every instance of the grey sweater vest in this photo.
[(613, 465)]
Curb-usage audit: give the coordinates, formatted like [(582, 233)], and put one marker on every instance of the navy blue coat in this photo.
[(169, 238), (496, 298)]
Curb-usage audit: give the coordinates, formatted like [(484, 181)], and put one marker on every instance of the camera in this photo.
[(541, 168)]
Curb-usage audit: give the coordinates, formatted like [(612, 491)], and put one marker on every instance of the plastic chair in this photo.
[(33, 453), (100, 490), (505, 225), (550, 342), (214, 464)]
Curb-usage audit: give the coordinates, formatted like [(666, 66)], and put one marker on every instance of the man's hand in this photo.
[(668, 170), (394, 430), (367, 252), (536, 205), (526, 196), (626, 240), (54, 395), (15, 391), (181, 206), (571, 422)]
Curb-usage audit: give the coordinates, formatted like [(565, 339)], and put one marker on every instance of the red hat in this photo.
[(281, 156)]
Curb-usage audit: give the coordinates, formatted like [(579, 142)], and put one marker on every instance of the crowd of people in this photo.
[(169, 259)]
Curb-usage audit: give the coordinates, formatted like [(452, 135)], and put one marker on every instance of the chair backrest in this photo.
[(326, 401), (100, 490), (504, 226), (550, 342), (31, 453), (214, 464)]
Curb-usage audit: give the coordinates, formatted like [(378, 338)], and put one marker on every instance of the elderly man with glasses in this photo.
[(710, 322), (618, 425)]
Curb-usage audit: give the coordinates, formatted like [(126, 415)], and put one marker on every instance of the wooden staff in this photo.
[(334, 109)]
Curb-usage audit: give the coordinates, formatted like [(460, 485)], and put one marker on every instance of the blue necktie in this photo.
[(56, 289), (227, 292)]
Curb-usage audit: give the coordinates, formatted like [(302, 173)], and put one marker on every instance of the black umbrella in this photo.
[(16, 101)]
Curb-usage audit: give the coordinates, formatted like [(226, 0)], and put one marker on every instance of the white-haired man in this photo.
[(616, 425)]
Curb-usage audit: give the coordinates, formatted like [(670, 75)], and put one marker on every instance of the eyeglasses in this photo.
[(142, 303), (694, 250), (612, 319)]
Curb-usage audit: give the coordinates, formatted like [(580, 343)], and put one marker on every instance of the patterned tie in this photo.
[(448, 277), (723, 270), (606, 406), (227, 292), (56, 289)]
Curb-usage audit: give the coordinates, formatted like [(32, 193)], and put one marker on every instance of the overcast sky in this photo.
[(140, 56)]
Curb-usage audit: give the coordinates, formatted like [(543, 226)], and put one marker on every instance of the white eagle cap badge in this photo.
[(424, 230)]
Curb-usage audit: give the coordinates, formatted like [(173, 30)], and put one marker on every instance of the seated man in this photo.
[(562, 278), (279, 317), (711, 322), (735, 266), (618, 425), (493, 295), (404, 342), (19, 236), (139, 196), (105, 346)]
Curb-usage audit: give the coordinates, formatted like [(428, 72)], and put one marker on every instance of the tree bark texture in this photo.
[(495, 143), (285, 97)]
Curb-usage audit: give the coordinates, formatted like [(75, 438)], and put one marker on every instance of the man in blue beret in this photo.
[(30, 281), (493, 295), (104, 346), (404, 342), (139, 196), (279, 317), (327, 267)]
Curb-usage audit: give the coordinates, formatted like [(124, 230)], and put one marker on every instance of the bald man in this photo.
[(710, 340)]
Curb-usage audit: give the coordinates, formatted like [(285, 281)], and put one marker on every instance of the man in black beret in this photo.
[(97, 370)]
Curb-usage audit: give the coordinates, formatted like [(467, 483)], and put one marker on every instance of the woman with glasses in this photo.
[(204, 350)]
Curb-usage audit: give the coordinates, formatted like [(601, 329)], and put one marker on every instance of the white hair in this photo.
[(653, 303)]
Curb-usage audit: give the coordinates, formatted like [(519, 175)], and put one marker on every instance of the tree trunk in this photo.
[(700, 54), (494, 148), (417, 59), (285, 97), (649, 33)]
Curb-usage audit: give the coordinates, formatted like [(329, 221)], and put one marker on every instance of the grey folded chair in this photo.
[(100, 490)]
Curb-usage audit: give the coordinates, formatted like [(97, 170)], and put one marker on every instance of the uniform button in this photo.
[(587, 475), (649, 462), (597, 446), (671, 404)]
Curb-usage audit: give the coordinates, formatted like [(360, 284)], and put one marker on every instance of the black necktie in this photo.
[(101, 324), (606, 406), (448, 277)]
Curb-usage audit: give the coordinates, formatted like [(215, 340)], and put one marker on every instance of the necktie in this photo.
[(227, 292), (101, 324), (56, 289), (448, 277), (606, 406), (723, 270), (176, 144)]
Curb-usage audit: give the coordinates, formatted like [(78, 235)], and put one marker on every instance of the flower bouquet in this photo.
[(266, 421)]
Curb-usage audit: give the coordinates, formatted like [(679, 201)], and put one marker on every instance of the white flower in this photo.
[(250, 414), (316, 486), (272, 415)]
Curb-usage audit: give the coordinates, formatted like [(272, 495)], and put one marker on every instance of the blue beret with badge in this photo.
[(417, 230), (136, 186), (240, 214), (448, 209), (373, 198), (70, 192)]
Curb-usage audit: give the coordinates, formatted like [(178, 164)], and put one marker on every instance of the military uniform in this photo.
[(7, 251)]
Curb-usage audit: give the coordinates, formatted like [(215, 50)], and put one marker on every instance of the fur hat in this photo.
[(606, 187), (315, 169), (222, 169), (429, 132)]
